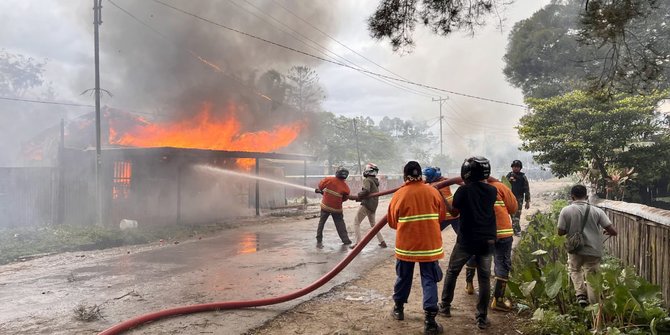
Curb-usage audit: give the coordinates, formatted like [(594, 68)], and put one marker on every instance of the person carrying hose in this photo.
[(335, 191), (368, 205), (415, 212), (475, 202)]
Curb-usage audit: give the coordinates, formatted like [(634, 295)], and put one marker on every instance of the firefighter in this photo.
[(505, 206), (477, 234), (335, 191), (433, 176), (368, 205), (415, 212), (521, 190)]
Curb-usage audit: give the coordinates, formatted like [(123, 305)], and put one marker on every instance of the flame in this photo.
[(205, 131)]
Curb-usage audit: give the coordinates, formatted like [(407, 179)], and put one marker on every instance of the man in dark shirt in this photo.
[(474, 202), (521, 190)]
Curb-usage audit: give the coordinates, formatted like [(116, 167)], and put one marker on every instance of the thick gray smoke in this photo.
[(150, 71)]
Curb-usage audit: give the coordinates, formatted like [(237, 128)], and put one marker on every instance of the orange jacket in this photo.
[(448, 197), (505, 206), (335, 191), (415, 211)]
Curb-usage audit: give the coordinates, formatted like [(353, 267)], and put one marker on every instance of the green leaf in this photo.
[(527, 288), (539, 252), (555, 274)]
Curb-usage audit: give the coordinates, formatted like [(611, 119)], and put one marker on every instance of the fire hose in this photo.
[(216, 306)]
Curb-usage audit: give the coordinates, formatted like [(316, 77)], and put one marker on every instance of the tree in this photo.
[(332, 139), (272, 85), (397, 19), (19, 73), (634, 37), (543, 55), (304, 91), (23, 77), (554, 51), (576, 132)]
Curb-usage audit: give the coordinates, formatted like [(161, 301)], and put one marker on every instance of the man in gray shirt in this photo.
[(587, 258)]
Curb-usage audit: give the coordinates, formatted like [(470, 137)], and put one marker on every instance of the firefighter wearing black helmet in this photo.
[(474, 202), (521, 191), (335, 191)]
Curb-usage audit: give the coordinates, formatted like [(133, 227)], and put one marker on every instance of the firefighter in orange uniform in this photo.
[(415, 212), (335, 191)]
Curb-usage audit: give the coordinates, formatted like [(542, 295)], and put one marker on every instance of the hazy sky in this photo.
[(137, 62)]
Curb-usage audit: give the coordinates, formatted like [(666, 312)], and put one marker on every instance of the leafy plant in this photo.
[(540, 280)]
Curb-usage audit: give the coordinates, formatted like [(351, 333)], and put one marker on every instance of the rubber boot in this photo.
[(430, 326), (499, 302), (398, 312), (469, 277)]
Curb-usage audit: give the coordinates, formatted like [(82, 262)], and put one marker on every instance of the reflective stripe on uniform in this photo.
[(331, 209), (332, 192), (505, 231), (433, 252), (420, 217)]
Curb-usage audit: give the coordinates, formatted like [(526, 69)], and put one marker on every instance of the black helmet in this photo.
[(342, 173), (412, 170), (518, 163), (475, 169)]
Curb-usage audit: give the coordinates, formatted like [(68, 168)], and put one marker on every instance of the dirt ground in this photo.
[(363, 306)]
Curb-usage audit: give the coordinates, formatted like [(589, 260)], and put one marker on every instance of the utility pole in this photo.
[(97, 21), (441, 142), (358, 150)]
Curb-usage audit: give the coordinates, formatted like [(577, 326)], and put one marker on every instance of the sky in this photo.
[(147, 72)]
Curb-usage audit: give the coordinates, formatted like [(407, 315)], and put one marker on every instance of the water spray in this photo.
[(217, 170)]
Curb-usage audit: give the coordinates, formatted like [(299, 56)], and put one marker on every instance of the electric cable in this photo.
[(331, 61), (327, 52), (216, 67), (46, 102)]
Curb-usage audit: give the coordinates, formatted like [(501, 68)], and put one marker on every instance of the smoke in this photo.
[(157, 68)]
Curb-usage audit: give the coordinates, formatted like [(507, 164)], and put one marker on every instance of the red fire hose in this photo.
[(214, 306)]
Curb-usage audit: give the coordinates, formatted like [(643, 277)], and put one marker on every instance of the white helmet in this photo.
[(370, 170)]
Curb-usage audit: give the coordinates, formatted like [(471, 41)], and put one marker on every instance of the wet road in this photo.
[(262, 258)]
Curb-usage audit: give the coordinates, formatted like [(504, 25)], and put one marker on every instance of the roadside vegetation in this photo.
[(19, 244), (540, 284)]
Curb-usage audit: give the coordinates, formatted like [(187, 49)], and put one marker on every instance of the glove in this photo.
[(316, 190)]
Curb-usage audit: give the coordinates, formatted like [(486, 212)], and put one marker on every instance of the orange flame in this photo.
[(204, 131)]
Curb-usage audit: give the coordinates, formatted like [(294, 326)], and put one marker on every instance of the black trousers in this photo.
[(339, 225)]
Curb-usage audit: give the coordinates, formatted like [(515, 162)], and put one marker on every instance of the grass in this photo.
[(17, 244)]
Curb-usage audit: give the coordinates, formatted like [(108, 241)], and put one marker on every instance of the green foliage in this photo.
[(540, 280), (625, 297), (578, 131), (396, 20), (613, 46), (548, 322), (543, 58), (22, 243)]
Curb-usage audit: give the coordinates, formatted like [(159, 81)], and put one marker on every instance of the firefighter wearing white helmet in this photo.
[(368, 205)]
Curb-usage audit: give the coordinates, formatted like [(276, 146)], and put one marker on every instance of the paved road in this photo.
[(259, 259)]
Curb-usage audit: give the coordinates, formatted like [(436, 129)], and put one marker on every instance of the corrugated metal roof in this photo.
[(657, 215)]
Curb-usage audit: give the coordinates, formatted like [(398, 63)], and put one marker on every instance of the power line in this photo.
[(344, 45), (327, 53), (216, 68), (47, 102), (331, 61)]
